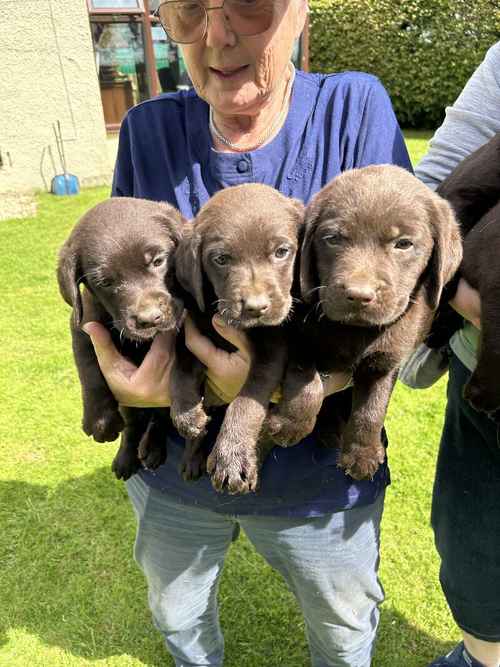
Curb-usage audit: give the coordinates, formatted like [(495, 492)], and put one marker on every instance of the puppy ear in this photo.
[(307, 270), (298, 210), (172, 220), (447, 252), (68, 277), (188, 265)]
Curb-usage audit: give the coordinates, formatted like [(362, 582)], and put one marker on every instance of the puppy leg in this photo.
[(483, 388), (362, 449), (152, 449), (186, 393), (101, 417), (194, 460), (294, 417), (333, 417), (126, 462), (236, 457)]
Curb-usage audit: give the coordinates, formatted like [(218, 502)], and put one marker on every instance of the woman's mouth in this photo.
[(228, 73)]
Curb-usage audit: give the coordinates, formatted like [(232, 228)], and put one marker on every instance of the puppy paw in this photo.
[(105, 426), (125, 464), (481, 396), (152, 456), (233, 470), (193, 465), (192, 423), (362, 462), (285, 432)]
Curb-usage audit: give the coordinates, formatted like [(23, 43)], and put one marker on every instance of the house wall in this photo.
[(48, 74)]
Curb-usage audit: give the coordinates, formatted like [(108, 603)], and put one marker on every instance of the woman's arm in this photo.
[(470, 122), (473, 120)]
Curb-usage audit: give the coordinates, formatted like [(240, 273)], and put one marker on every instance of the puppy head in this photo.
[(123, 250), (239, 254), (372, 235)]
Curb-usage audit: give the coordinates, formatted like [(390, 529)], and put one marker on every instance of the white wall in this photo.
[(47, 74)]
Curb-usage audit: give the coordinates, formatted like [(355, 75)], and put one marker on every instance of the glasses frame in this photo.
[(156, 14)]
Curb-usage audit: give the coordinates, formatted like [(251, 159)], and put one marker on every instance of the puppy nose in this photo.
[(255, 305), (147, 318), (363, 294)]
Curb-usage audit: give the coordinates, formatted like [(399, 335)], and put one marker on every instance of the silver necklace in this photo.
[(274, 126)]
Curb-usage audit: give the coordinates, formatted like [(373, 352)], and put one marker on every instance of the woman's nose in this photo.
[(219, 31)]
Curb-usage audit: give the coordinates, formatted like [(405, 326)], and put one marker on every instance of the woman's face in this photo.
[(236, 75)]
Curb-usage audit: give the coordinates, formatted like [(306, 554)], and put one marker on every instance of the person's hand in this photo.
[(226, 371), (467, 303), (146, 386)]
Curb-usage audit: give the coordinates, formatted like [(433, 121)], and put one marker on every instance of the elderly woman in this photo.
[(251, 118)]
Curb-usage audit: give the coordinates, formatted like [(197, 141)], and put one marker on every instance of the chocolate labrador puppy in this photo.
[(237, 260), (122, 251), (379, 247), (473, 190)]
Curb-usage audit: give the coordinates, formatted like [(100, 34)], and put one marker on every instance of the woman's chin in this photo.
[(231, 101)]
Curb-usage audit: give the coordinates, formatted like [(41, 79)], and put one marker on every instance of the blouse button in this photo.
[(242, 166)]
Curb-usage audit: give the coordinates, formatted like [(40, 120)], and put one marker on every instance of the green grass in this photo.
[(70, 592)]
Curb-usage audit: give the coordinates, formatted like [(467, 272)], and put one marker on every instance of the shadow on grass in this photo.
[(68, 578)]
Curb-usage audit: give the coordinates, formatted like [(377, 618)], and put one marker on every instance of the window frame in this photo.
[(141, 9), (136, 15)]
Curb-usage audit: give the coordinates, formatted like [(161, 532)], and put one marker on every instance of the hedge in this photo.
[(422, 50)]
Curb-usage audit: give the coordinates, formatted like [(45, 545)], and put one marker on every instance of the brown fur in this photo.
[(379, 247), (237, 260), (122, 251), (473, 190), (481, 269)]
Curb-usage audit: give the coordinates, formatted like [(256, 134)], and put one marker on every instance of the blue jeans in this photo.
[(330, 563)]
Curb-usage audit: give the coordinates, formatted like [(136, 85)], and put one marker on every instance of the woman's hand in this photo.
[(146, 386), (467, 303), (226, 371)]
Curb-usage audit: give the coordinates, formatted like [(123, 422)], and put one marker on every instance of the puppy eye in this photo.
[(403, 244), (221, 260), (105, 282), (332, 239), (158, 261), (282, 252)]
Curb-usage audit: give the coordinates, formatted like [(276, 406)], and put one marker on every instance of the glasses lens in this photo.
[(250, 17), (183, 21)]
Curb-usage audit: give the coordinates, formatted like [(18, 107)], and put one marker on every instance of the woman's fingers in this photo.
[(226, 371), (201, 346), (110, 360), (467, 302), (160, 356), (236, 337), (207, 352), (143, 386)]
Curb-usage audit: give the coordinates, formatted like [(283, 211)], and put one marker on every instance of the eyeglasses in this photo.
[(186, 21)]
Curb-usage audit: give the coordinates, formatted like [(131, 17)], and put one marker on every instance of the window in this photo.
[(121, 66), (170, 68)]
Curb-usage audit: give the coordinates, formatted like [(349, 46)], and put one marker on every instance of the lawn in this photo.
[(70, 592)]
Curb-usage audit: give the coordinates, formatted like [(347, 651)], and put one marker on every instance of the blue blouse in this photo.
[(336, 122)]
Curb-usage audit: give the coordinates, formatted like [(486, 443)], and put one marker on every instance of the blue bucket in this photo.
[(65, 184)]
